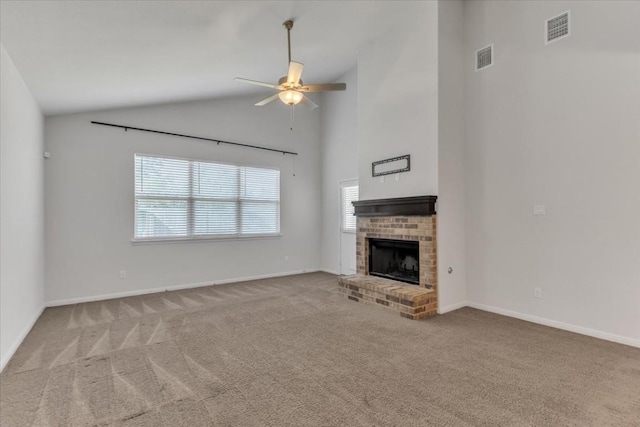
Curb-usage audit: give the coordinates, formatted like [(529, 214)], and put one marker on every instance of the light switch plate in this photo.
[(539, 210)]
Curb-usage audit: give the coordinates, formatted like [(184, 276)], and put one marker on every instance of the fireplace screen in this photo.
[(394, 259)]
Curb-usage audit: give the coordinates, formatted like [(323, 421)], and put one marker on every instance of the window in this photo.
[(349, 195), (176, 198)]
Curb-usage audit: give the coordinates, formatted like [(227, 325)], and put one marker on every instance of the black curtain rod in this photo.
[(195, 137)]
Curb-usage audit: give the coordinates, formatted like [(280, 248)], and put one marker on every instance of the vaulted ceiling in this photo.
[(85, 55)]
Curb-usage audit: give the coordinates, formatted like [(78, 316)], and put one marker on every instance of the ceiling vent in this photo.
[(484, 57), (557, 28)]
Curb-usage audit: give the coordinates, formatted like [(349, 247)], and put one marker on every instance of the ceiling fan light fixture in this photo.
[(291, 97)]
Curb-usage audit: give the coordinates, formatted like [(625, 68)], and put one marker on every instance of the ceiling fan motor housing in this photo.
[(284, 80)]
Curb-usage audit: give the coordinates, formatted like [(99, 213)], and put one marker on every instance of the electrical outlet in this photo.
[(123, 274), (537, 292), (539, 210), (286, 258)]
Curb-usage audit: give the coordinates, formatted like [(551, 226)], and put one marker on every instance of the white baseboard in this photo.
[(79, 300), (6, 357), (452, 307), (556, 324)]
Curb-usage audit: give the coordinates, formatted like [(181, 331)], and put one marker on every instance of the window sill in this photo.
[(162, 240)]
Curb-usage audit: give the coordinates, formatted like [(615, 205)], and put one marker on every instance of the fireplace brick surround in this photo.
[(386, 221)]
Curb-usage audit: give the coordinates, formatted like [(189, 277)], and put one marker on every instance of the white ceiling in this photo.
[(86, 55)]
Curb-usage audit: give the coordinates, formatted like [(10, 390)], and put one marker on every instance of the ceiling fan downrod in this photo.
[(288, 24)]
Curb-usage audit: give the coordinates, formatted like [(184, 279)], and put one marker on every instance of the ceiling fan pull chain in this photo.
[(292, 116)]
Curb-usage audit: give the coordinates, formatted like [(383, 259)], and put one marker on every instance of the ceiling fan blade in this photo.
[(309, 103), (257, 83), (295, 72), (267, 100), (323, 87)]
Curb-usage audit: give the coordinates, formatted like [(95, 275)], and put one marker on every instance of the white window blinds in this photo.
[(177, 198), (349, 195)]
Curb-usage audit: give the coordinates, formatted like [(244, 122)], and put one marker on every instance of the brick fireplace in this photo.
[(409, 219)]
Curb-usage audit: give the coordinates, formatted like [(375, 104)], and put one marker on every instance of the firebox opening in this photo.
[(395, 259)]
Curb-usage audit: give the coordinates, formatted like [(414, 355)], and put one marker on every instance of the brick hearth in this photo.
[(413, 302)]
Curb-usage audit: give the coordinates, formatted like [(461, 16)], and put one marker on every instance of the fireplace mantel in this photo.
[(406, 206)]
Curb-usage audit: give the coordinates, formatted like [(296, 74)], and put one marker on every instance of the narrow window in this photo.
[(349, 195)]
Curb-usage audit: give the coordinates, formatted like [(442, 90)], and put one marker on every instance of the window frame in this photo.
[(343, 186), (190, 199)]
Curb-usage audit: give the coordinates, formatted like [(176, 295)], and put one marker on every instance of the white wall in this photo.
[(89, 196), (339, 136), (21, 209), (451, 194), (398, 101), (555, 125)]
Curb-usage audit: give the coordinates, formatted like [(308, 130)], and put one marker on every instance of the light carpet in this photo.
[(292, 351)]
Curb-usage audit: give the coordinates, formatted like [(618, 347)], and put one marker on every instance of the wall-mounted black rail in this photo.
[(218, 141)]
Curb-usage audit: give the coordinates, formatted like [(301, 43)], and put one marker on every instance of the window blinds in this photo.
[(349, 195), (177, 198)]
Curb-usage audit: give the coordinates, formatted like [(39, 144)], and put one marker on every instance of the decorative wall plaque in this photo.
[(392, 165)]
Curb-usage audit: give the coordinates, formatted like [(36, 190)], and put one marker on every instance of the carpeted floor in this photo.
[(293, 352)]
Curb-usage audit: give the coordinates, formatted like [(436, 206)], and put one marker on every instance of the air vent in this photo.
[(484, 57), (557, 27)]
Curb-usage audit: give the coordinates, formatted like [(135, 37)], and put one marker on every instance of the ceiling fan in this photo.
[(291, 88)]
